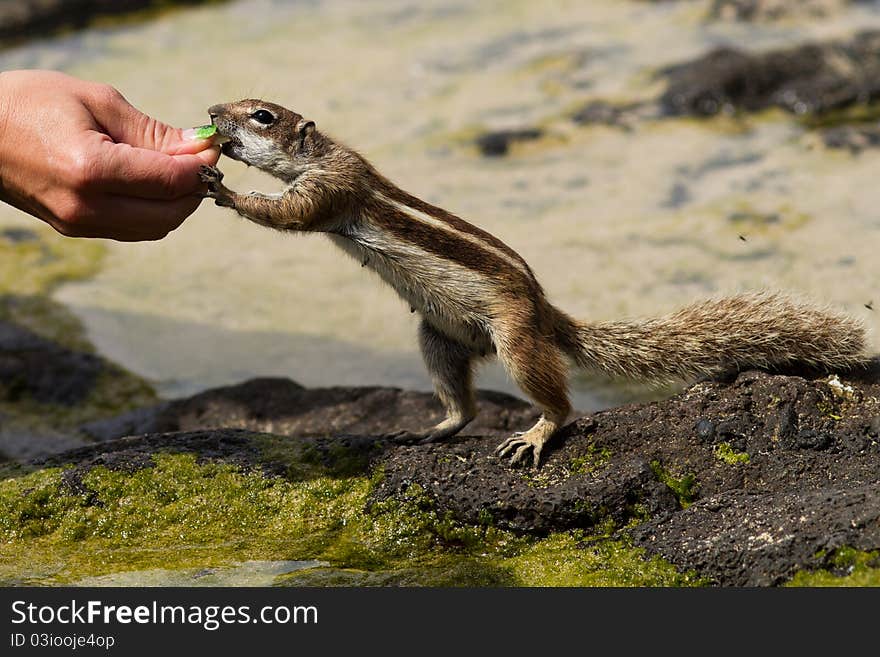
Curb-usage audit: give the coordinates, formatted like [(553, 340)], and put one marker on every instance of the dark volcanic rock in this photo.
[(750, 539), (852, 137), (744, 481), (760, 10), (131, 454), (17, 235), (605, 113), (24, 19), (497, 143), (466, 478), (35, 368), (280, 406), (808, 79), (811, 479)]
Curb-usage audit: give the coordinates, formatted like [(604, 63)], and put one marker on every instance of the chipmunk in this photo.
[(478, 297)]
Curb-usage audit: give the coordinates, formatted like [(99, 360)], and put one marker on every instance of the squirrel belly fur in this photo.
[(477, 297)]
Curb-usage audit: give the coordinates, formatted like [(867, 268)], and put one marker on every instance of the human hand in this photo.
[(78, 156)]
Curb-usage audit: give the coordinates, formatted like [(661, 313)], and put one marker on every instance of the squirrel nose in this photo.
[(214, 111)]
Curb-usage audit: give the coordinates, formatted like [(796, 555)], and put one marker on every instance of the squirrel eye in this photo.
[(263, 116)]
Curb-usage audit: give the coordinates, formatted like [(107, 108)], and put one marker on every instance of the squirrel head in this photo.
[(267, 136)]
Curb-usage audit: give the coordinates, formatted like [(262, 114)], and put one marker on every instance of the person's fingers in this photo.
[(90, 232), (209, 156), (125, 170), (128, 219), (151, 219), (127, 124), (192, 146)]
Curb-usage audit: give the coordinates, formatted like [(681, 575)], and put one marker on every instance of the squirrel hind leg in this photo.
[(538, 367), (450, 365)]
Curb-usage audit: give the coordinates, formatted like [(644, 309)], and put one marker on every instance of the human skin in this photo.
[(78, 156)]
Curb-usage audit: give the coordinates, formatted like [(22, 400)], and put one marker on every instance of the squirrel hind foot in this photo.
[(446, 429), (521, 443)]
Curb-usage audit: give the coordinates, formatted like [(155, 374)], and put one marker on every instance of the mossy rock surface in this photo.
[(51, 379), (773, 10), (813, 79), (830, 86), (279, 405), (762, 480), (217, 504), (29, 18), (629, 496)]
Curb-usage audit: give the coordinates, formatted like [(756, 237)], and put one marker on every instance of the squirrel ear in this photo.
[(304, 128)]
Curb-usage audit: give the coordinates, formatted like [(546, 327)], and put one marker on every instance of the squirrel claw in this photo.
[(209, 174), (518, 448), (213, 178), (404, 437), (434, 435)]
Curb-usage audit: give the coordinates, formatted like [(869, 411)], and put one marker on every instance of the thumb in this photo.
[(126, 124)]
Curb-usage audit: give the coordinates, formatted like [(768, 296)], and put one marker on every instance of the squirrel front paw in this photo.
[(213, 178), (210, 175)]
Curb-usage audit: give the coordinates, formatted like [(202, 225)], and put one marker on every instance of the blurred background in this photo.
[(640, 155)]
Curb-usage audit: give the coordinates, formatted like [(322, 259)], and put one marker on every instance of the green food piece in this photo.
[(206, 131)]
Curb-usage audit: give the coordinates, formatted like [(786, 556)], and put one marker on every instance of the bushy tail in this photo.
[(763, 330)]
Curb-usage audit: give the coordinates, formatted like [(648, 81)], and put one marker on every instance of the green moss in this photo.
[(307, 460), (827, 409), (848, 567), (182, 514), (485, 517), (685, 486), (557, 561), (451, 571), (38, 265), (115, 391), (31, 267), (106, 18), (177, 514), (725, 453), (853, 114), (594, 459), (46, 318), (637, 514), (744, 217)]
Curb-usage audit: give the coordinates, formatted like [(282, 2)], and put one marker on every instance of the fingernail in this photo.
[(199, 132)]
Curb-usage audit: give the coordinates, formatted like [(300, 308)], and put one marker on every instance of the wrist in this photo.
[(5, 109)]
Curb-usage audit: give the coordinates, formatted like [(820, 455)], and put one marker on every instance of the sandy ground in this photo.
[(613, 222)]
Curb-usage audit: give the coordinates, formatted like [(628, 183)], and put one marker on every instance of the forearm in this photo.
[(295, 209), (26, 180), (7, 194), (286, 212), (4, 123)]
